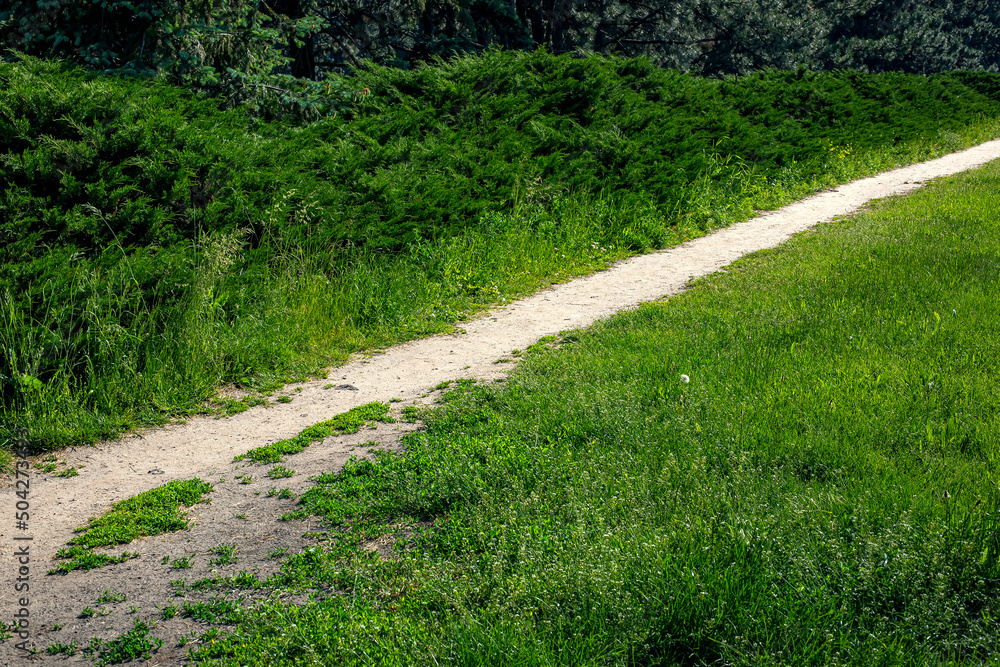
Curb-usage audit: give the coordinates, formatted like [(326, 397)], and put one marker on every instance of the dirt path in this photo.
[(204, 447)]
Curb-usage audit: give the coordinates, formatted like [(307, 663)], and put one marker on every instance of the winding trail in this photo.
[(205, 446)]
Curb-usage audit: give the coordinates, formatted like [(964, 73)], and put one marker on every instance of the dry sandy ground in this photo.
[(205, 447)]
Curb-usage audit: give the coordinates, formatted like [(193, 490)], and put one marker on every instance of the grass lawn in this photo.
[(792, 463)]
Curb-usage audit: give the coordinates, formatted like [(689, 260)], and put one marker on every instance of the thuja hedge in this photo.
[(135, 180), (423, 153)]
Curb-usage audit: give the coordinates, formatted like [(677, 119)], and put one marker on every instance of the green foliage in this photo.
[(153, 247), (226, 555), (267, 56), (819, 488), (280, 472), (83, 558), (725, 37), (109, 596), (346, 422), (909, 35), (181, 563), (148, 513), (56, 648), (133, 644), (214, 611)]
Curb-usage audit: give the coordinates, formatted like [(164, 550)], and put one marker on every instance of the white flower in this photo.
[(685, 378)]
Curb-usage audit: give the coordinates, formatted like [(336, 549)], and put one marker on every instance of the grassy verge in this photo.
[(154, 247), (793, 463)]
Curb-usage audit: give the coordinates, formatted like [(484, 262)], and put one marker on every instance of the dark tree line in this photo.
[(239, 46), (707, 36)]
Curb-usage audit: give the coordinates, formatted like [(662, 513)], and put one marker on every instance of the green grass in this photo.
[(83, 558), (280, 472), (154, 248), (181, 563), (225, 555), (821, 491), (56, 648), (346, 422), (220, 611), (149, 513), (109, 596), (133, 644)]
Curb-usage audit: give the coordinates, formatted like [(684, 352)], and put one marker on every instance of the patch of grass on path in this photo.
[(149, 513), (346, 422), (131, 645), (819, 488)]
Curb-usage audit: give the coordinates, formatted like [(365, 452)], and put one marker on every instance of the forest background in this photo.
[(249, 49)]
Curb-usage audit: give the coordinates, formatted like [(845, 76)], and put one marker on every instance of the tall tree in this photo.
[(920, 36)]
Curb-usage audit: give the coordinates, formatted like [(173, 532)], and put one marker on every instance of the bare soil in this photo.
[(242, 515)]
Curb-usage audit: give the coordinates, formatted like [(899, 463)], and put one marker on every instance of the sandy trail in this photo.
[(204, 447)]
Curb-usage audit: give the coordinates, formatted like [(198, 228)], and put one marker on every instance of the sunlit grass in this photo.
[(822, 490), (346, 422), (148, 513)]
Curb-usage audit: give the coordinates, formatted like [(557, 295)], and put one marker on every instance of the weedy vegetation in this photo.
[(89, 612), (131, 645), (109, 596), (56, 648), (155, 247), (181, 563), (280, 472), (149, 513), (346, 422), (225, 555)]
